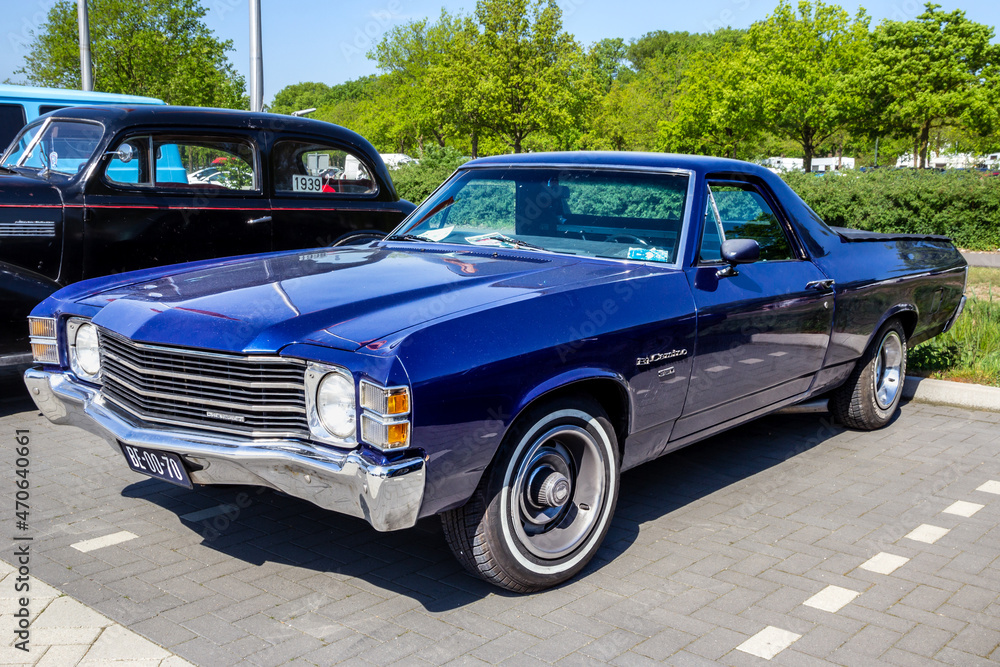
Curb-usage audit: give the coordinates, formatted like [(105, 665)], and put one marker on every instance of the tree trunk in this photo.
[(916, 151), (517, 142), (925, 132), (808, 150), (475, 144)]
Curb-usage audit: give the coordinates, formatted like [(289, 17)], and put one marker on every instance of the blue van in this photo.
[(19, 105)]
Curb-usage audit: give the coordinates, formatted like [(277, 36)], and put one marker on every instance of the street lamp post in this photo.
[(256, 59), (86, 72)]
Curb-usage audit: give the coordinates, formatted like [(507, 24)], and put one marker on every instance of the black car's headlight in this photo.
[(331, 403), (84, 352)]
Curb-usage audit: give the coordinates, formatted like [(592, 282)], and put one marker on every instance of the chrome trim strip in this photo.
[(201, 353), (202, 378), (199, 425), (15, 359), (28, 228), (388, 495), (205, 401)]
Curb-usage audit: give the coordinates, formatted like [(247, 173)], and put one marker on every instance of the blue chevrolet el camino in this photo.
[(539, 324)]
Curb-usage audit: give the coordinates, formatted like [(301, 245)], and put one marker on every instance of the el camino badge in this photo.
[(660, 356), (228, 418)]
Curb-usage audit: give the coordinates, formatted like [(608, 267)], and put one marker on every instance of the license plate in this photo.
[(161, 465)]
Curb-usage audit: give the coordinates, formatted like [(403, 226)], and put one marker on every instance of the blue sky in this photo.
[(326, 40)]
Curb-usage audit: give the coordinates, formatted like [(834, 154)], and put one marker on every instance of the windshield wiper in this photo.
[(406, 237), (503, 238)]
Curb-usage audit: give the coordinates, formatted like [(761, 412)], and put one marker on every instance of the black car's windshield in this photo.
[(580, 211), (60, 146)]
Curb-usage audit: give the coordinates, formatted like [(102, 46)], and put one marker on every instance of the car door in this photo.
[(169, 196), (762, 334), (324, 192)]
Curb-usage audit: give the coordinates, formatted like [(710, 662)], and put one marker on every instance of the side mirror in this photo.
[(125, 153), (738, 251)]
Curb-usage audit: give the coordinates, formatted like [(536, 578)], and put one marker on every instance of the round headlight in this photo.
[(88, 358), (335, 405)]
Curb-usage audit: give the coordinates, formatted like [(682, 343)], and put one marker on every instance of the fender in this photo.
[(20, 290)]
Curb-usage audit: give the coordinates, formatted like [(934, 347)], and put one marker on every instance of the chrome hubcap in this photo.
[(559, 491), (888, 370)]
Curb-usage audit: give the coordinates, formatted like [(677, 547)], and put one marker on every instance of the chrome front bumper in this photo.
[(387, 496)]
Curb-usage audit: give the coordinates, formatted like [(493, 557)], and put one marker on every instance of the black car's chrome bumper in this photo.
[(954, 318), (387, 496)]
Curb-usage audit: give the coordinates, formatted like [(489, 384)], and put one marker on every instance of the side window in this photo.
[(11, 121), (193, 162), (306, 168), (131, 166), (740, 211), (184, 163)]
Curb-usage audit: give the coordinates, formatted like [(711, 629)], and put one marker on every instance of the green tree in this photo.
[(298, 96), (801, 68), (159, 48), (530, 76), (937, 71), (715, 110), (418, 64), (608, 60)]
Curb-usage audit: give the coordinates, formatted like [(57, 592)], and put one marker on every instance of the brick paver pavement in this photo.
[(713, 552)]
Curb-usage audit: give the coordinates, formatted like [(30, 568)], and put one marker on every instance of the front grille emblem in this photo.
[(229, 418)]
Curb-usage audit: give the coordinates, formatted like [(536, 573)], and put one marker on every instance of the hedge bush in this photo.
[(964, 205), (415, 181)]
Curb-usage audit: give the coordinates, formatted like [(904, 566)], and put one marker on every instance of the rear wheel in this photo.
[(870, 397), (543, 508)]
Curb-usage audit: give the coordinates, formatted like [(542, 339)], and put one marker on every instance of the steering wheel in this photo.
[(626, 238)]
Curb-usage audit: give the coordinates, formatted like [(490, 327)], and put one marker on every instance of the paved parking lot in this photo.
[(790, 539)]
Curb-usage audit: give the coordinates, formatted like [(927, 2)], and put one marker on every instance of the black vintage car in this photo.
[(89, 191)]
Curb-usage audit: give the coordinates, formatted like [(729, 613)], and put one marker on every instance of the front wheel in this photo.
[(543, 508), (870, 397)]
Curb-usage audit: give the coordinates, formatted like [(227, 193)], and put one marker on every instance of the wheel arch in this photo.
[(609, 389), (907, 315)]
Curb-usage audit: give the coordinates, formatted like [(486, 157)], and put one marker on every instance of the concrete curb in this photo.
[(954, 394), (987, 259)]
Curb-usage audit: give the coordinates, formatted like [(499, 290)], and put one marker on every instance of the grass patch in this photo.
[(970, 352)]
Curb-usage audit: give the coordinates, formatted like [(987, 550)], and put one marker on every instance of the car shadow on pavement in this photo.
[(259, 526)]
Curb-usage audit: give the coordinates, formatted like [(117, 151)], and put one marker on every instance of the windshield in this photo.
[(579, 211), (60, 146)]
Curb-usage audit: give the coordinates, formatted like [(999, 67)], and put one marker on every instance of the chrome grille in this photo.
[(254, 396)]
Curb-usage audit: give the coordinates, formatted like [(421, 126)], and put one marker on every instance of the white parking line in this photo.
[(962, 508), (832, 599), (884, 563), (927, 533), (992, 486), (768, 643), (106, 541), (201, 515)]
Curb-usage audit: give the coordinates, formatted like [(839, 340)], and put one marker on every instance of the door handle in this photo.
[(820, 284), (254, 221)]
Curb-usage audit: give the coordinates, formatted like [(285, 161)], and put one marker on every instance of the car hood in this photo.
[(341, 298)]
